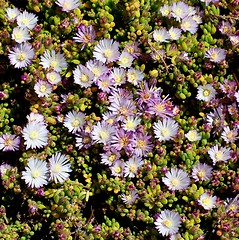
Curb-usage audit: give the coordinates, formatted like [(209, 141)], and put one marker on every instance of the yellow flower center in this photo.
[(18, 35), (141, 144), (112, 158), (219, 155), (175, 182), (206, 92), (8, 142), (108, 53), (132, 168), (43, 88), (66, 5), (201, 174), (167, 223), (53, 64), (206, 201), (35, 174), (56, 168), (20, 56), (25, 21), (104, 135), (76, 123), (118, 169), (34, 135), (84, 78), (164, 132)]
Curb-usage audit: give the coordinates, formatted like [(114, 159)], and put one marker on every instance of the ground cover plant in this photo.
[(119, 119)]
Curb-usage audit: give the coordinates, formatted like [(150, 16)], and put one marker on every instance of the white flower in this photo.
[(42, 88), (53, 77), (125, 59), (20, 34), (96, 67), (202, 172), (83, 76), (134, 76), (103, 132), (106, 51), (35, 117), (131, 198), (21, 55), (179, 10), (74, 121), (168, 222), (207, 201), (222, 154), (35, 135), (193, 136), (216, 54), (132, 166), (189, 24), (35, 174), (4, 167), (12, 13), (118, 75), (161, 35), (68, 5), (51, 59), (174, 33), (228, 135), (117, 168), (176, 179), (166, 129), (59, 168), (206, 93), (26, 19), (165, 10), (130, 123)]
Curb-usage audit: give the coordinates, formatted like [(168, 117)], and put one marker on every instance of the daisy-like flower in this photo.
[(232, 204), (35, 135), (207, 201), (125, 59), (165, 10), (4, 167), (225, 27), (189, 24), (20, 34), (222, 154), (96, 67), (74, 121), (83, 76), (132, 49), (59, 168), (118, 75), (103, 132), (85, 35), (130, 123), (53, 60), (168, 222), (161, 35), (234, 40), (134, 76), (216, 118), (110, 157), (35, 117), (206, 93), (193, 136), (216, 54), (53, 77), (229, 136), (132, 166), (68, 5), (202, 172), (36, 173), (174, 33), (142, 144), (9, 142), (131, 198), (12, 13), (21, 55), (197, 18), (43, 88), (26, 19), (104, 82), (176, 179), (166, 129), (117, 168), (179, 10), (106, 51)]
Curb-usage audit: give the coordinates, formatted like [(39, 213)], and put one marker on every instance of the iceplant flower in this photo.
[(202, 172), (206, 93), (176, 179), (168, 222), (59, 168), (36, 173), (26, 19), (12, 13), (166, 129), (35, 135), (222, 154), (130, 198), (9, 142), (20, 34), (193, 136), (68, 5), (207, 201), (215, 55), (74, 121)]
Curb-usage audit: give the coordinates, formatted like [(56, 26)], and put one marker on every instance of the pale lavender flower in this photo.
[(225, 27), (4, 167), (106, 51), (216, 119), (85, 35), (130, 123), (12, 13), (229, 135), (234, 40), (132, 49), (68, 5), (110, 156), (142, 144), (83, 76), (26, 19), (21, 55), (96, 67), (131, 198), (20, 34), (165, 10), (174, 33), (74, 121), (117, 168), (53, 77), (125, 60), (104, 82), (179, 10), (134, 76), (189, 24), (207, 201), (9, 142), (118, 75), (161, 35), (202, 172), (222, 154), (42, 88), (193, 136), (36, 117), (216, 54)]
